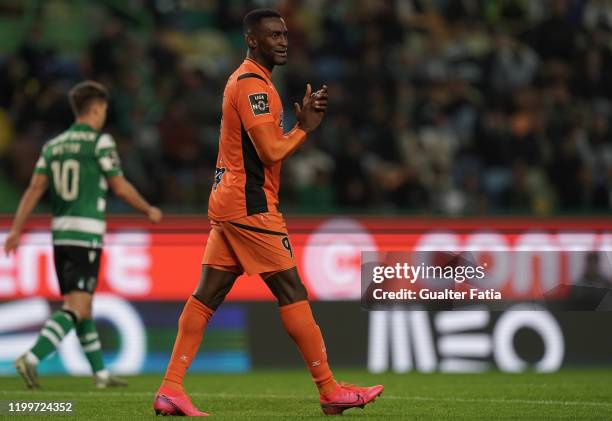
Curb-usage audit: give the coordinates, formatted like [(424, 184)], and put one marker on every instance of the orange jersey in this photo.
[(243, 185)]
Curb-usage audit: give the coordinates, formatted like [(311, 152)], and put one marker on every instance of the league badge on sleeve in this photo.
[(259, 103)]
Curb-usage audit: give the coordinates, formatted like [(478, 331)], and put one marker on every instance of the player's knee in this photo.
[(213, 286), (299, 293), (85, 313), (210, 296), (287, 287), (211, 301), (80, 303), (82, 311), (291, 293), (75, 312)]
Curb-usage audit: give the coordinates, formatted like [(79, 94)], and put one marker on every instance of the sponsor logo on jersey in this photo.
[(259, 103)]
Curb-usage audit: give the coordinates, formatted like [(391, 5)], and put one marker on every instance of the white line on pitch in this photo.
[(256, 396)]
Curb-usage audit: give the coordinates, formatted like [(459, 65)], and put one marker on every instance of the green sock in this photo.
[(52, 333), (88, 336)]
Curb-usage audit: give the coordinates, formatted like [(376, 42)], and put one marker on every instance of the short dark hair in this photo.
[(83, 94), (254, 17)]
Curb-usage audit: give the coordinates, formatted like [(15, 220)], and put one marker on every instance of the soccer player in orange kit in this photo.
[(248, 233)]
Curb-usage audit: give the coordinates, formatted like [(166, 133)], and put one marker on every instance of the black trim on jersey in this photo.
[(248, 75), (257, 229), (263, 70), (254, 194)]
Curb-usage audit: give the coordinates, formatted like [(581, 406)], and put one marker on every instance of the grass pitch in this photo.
[(569, 394)]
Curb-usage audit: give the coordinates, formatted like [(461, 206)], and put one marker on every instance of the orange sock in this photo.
[(303, 329), (191, 326)]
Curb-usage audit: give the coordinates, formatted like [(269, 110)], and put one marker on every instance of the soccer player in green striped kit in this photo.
[(78, 166)]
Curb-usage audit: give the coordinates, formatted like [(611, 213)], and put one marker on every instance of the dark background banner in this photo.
[(138, 337), (353, 337)]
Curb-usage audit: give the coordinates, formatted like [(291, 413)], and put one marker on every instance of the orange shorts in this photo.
[(253, 244)]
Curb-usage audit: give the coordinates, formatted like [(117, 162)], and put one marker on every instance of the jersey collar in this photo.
[(260, 67), (81, 126)]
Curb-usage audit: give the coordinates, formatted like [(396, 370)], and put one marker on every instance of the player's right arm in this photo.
[(110, 164), (29, 200)]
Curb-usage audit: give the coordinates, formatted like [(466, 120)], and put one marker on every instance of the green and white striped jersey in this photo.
[(77, 163)]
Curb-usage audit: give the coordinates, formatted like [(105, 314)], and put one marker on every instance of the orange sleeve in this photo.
[(273, 148), (253, 102)]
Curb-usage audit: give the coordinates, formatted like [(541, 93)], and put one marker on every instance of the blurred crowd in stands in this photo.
[(436, 106)]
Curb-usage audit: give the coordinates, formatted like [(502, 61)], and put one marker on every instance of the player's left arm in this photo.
[(272, 149), (128, 193), (29, 200), (110, 164)]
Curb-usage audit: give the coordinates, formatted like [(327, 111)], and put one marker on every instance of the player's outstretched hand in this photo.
[(11, 243), (154, 214), (313, 108)]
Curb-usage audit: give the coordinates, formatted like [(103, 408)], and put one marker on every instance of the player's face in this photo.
[(272, 40)]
